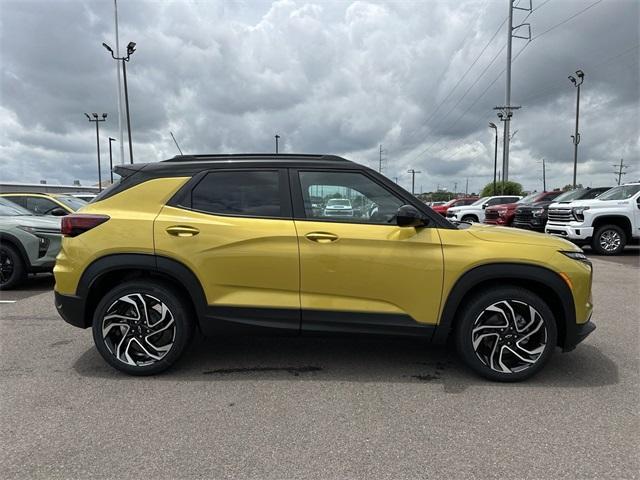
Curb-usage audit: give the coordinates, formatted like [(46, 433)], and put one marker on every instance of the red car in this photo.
[(504, 214), (456, 202)]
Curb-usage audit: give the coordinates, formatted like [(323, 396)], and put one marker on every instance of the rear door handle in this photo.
[(182, 231), (321, 237)]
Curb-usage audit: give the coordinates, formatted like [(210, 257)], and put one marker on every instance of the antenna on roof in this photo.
[(176, 142)]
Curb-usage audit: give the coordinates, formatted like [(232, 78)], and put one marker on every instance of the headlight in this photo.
[(578, 212), (502, 213), (537, 212), (581, 257)]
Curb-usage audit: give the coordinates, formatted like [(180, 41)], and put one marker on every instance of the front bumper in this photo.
[(72, 310), (577, 335), (572, 232), (532, 225)]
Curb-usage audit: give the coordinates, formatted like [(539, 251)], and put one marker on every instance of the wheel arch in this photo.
[(106, 272), (17, 244), (544, 282), (619, 220)]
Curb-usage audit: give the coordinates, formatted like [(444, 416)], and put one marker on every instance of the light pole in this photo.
[(277, 137), (413, 179), (576, 138), (131, 47), (544, 176), (495, 158), (111, 159), (97, 121)]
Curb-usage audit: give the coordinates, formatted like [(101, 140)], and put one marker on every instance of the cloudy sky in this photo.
[(419, 77)]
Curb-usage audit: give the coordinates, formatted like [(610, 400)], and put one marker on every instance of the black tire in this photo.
[(474, 313), (470, 219), (153, 294), (609, 240), (14, 270)]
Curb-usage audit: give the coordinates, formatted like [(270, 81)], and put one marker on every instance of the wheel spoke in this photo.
[(138, 329), (501, 344)]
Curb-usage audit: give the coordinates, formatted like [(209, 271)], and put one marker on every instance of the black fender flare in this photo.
[(151, 263), (519, 272)]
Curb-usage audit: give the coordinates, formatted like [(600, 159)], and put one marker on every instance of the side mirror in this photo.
[(58, 212), (409, 216), (485, 205)]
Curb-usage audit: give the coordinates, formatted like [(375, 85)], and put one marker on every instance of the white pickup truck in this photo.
[(607, 222)]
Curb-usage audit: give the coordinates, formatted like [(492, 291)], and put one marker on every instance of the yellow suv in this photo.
[(238, 243), (55, 204)]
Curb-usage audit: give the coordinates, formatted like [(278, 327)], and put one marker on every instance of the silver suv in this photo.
[(28, 243)]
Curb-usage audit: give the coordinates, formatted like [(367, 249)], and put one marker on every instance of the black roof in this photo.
[(217, 157), (192, 164)]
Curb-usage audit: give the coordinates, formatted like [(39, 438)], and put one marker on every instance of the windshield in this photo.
[(480, 201), (570, 195), (339, 201), (620, 193), (528, 198), (71, 202), (10, 209)]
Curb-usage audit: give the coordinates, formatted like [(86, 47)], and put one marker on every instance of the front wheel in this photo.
[(609, 240), (142, 328), (470, 219), (12, 267), (506, 334)]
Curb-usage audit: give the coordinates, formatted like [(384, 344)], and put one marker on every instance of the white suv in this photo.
[(475, 211), (338, 207), (608, 222)]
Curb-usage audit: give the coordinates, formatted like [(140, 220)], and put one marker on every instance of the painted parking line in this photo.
[(8, 301)]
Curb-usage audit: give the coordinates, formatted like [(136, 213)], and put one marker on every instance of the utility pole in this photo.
[(507, 109), (576, 137), (466, 188), (97, 121), (619, 172), (380, 159), (495, 157), (455, 187), (111, 159), (413, 179), (277, 137), (544, 177)]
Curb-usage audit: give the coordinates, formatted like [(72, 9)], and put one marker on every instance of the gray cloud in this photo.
[(337, 77)]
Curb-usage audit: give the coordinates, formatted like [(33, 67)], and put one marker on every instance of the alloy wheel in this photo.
[(138, 329), (6, 267), (509, 336), (610, 240)]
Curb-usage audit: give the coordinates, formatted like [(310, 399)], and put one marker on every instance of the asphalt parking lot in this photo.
[(318, 408)]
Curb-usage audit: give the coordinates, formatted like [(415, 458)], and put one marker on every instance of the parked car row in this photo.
[(604, 217)]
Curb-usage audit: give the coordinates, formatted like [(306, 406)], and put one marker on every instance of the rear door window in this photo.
[(252, 193)]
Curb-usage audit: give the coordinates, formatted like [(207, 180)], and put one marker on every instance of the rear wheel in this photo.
[(12, 267), (609, 240), (142, 328), (506, 334)]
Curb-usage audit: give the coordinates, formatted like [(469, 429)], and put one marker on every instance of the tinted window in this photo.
[(349, 197), (253, 193), (72, 202), (593, 193), (22, 201), (41, 206), (8, 208)]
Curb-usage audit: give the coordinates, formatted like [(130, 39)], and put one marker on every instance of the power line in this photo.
[(514, 59), (566, 20), (432, 144)]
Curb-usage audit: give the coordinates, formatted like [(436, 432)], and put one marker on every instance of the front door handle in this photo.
[(321, 237), (182, 231)]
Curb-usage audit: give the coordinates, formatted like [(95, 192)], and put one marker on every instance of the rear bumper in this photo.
[(71, 309)]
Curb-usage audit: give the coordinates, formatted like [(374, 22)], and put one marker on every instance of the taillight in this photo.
[(77, 223)]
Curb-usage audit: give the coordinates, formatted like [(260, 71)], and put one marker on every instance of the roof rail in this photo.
[(254, 156)]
